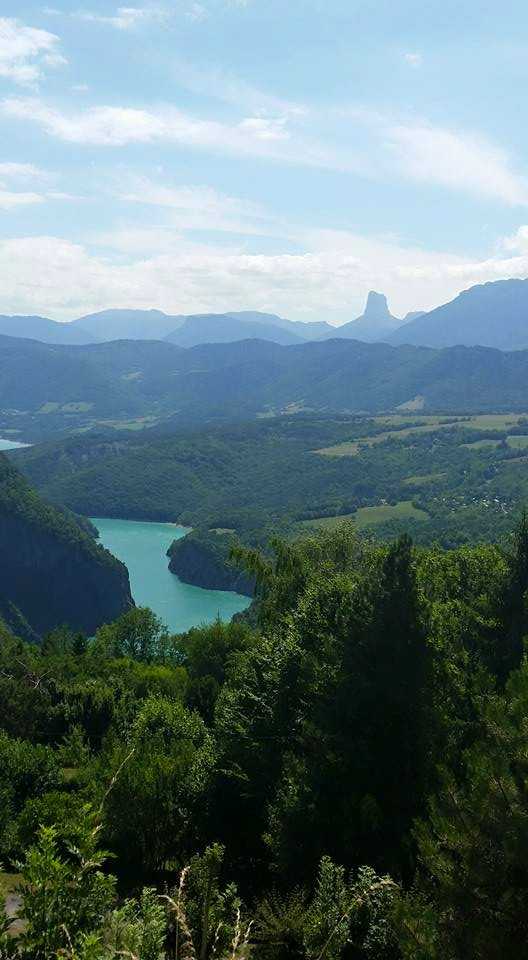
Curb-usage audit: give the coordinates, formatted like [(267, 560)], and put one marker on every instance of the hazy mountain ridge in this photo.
[(228, 328), (191, 329), (185, 329), (57, 389), (43, 329), (491, 314), (376, 323)]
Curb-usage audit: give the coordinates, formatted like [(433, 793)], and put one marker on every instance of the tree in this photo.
[(64, 892), (513, 606), (138, 634), (471, 898), (157, 802), (26, 771), (357, 744)]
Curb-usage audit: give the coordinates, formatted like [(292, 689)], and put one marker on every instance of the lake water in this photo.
[(142, 547), (11, 444)]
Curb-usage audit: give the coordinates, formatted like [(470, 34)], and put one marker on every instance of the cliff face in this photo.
[(50, 568), (203, 560)]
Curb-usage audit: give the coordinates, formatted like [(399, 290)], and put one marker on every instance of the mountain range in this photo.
[(48, 389), (491, 315), (185, 330), (376, 323)]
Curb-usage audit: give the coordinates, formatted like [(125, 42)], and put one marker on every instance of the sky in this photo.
[(277, 155)]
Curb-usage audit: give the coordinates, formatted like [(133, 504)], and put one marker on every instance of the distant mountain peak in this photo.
[(377, 308)]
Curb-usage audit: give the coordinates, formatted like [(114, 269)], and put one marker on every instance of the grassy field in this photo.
[(480, 444), (423, 480), (82, 406), (140, 423), (495, 421), (429, 424), (518, 443), (370, 516)]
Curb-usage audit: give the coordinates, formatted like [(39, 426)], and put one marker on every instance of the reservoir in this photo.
[(11, 444), (142, 546)]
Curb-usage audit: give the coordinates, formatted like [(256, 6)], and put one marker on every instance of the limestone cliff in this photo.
[(51, 569), (202, 558)]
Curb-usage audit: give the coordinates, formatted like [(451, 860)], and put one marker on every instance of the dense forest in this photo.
[(453, 480), (51, 568), (50, 390), (343, 777)]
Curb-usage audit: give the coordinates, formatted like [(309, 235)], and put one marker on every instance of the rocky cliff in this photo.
[(202, 558), (52, 570)]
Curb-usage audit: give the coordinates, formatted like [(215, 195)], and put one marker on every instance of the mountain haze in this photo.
[(227, 328), (491, 315), (127, 325), (43, 329), (47, 389), (376, 323)]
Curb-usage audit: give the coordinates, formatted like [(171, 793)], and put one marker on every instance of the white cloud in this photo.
[(118, 126), (158, 268), (25, 52), (197, 12), (413, 59), (518, 242), (126, 18), (198, 207), (9, 199), (264, 128), (101, 126), (220, 84), (20, 170), (375, 147), (459, 161)]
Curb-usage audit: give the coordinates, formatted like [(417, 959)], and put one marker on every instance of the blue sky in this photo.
[(206, 155)]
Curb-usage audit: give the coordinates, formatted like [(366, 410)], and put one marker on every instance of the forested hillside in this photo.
[(48, 390), (454, 480), (51, 570), (345, 779)]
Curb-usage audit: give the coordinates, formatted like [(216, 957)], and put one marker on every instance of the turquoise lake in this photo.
[(142, 547), (11, 444)]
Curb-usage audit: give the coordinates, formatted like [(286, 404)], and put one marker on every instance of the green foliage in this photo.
[(280, 925), (343, 633), (138, 634), (266, 477), (209, 907), (26, 770), (372, 724), (56, 807), (155, 805), (204, 557), (137, 928), (63, 896), (208, 654), (355, 913), (472, 896)]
